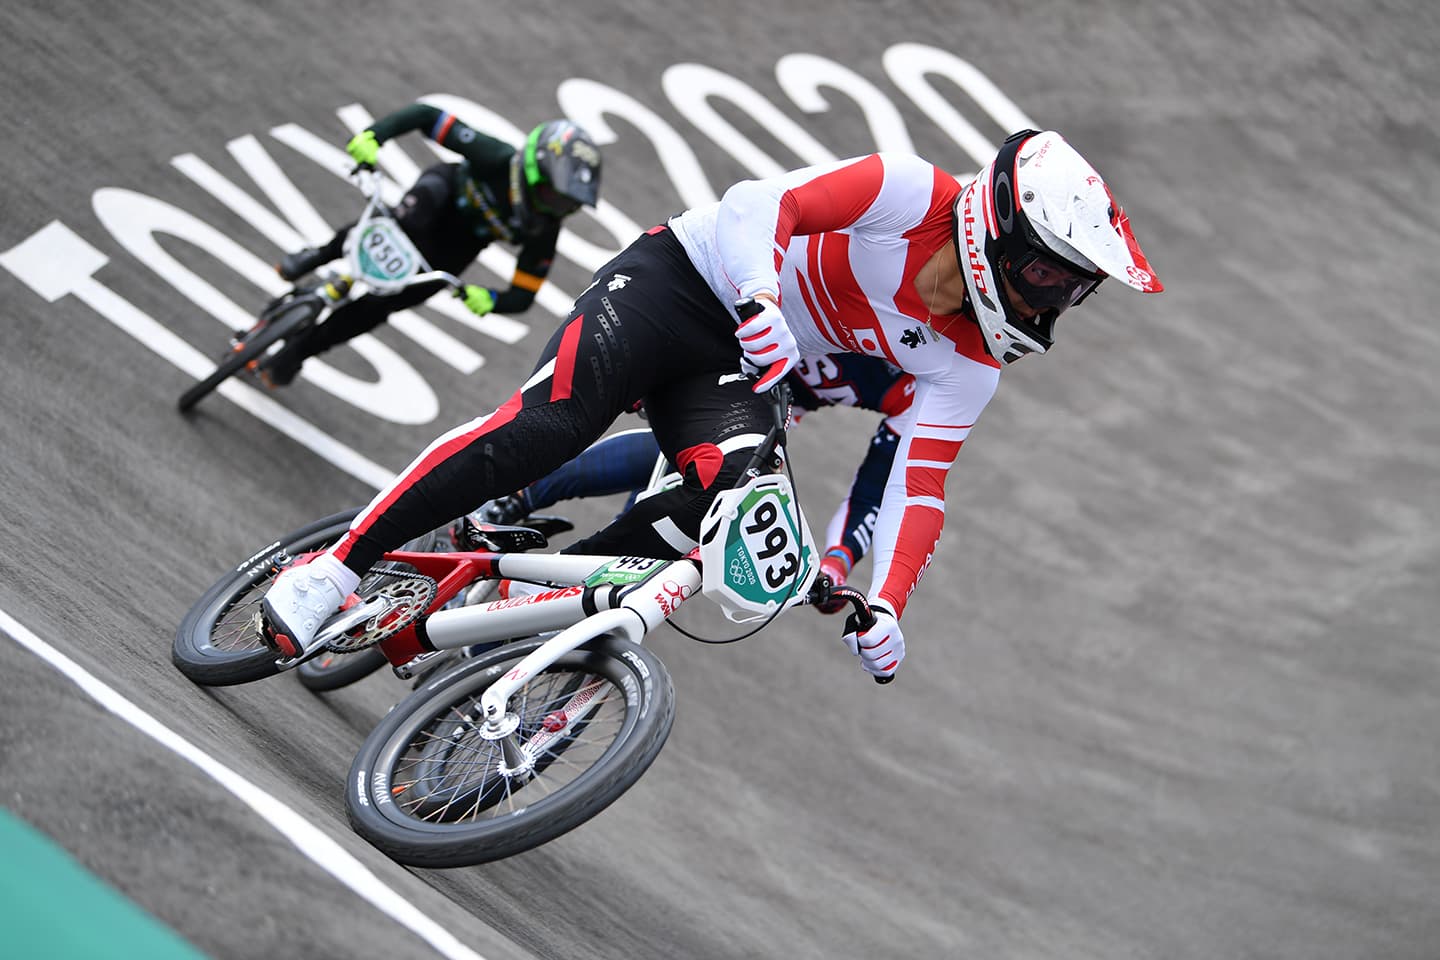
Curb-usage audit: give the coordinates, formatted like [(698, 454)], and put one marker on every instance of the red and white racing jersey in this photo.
[(842, 244)]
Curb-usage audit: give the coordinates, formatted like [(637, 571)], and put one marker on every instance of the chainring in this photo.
[(408, 595)]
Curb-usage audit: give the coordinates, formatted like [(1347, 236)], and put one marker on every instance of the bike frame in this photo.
[(586, 603), (591, 596), (571, 600)]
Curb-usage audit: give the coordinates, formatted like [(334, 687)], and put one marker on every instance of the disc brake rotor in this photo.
[(406, 597)]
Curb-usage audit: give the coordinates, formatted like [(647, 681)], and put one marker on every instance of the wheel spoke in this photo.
[(448, 773)]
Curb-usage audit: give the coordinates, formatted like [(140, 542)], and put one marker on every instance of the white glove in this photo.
[(767, 343), (882, 647)]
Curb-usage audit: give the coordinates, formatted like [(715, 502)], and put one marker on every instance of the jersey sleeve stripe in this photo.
[(925, 482), (831, 201), (934, 450), (443, 123), (919, 532)]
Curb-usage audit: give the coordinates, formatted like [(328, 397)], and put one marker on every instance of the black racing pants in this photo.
[(647, 329), (429, 217)]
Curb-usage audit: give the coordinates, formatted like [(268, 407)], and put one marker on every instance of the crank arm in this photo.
[(347, 620)]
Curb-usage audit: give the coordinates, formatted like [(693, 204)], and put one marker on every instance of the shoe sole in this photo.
[(281, 643)]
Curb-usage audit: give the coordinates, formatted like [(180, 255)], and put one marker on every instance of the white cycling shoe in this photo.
[(298, 602)]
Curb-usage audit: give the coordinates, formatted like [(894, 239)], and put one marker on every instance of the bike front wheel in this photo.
[(294, 315), (218, 642), (430, 790)]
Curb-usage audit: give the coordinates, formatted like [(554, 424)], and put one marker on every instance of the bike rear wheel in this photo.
[(427, 789), (218, 643), (292, 315), (331, 670)]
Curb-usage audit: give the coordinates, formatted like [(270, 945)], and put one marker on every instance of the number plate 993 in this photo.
[(756, 551)]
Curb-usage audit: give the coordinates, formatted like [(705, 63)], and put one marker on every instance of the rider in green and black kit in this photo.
[(452, 212)]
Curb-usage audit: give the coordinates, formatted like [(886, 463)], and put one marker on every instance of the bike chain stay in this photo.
[(407, 596)]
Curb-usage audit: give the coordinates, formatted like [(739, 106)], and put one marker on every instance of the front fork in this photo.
[(643, 608)]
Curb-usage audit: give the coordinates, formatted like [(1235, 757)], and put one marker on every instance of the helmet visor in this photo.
[(1046, 283), (553, 202)]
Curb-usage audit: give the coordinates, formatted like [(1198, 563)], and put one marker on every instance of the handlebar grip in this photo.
[(870, 616), (747, 308), (863, 616), (750, 307), (862, 619)]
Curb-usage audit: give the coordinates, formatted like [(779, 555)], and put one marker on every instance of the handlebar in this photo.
[(429, 275), (861, 620), (368, 180)]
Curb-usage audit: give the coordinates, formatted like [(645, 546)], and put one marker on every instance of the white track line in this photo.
[(313, 843)]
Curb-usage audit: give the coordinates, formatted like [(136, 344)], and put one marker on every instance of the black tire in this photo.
[(465, 813), (331, 671), (299, 312), (216, 644)]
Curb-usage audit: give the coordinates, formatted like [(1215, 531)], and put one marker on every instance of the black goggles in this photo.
[(553, 202), (1048, 284)]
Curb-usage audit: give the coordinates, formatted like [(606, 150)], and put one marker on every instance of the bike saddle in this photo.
[(548, 524), (503, 539)]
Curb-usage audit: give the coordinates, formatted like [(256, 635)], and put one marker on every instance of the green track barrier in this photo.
[(52, 908)]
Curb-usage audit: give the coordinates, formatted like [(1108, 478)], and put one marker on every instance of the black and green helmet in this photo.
[(560, 168)]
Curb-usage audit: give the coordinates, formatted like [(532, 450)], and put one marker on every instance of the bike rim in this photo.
[(437, 774), (233, 630)]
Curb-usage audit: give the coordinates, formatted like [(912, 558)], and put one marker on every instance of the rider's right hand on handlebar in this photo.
[(363, 148), (768, 344), (882, 647), (480, 300)]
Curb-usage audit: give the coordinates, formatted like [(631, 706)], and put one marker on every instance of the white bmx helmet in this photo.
[(1041, 217)]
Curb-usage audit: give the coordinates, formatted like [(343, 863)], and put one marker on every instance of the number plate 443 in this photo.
[(756, 552)]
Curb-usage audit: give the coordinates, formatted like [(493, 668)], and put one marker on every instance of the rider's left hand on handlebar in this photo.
[(363, 148), (768, 344), (479, 299), (882, 647)]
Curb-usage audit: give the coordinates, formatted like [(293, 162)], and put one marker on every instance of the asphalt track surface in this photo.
[(1174, 676)]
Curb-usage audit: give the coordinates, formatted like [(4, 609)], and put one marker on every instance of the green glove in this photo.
[(480, 300), (364, 148)]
